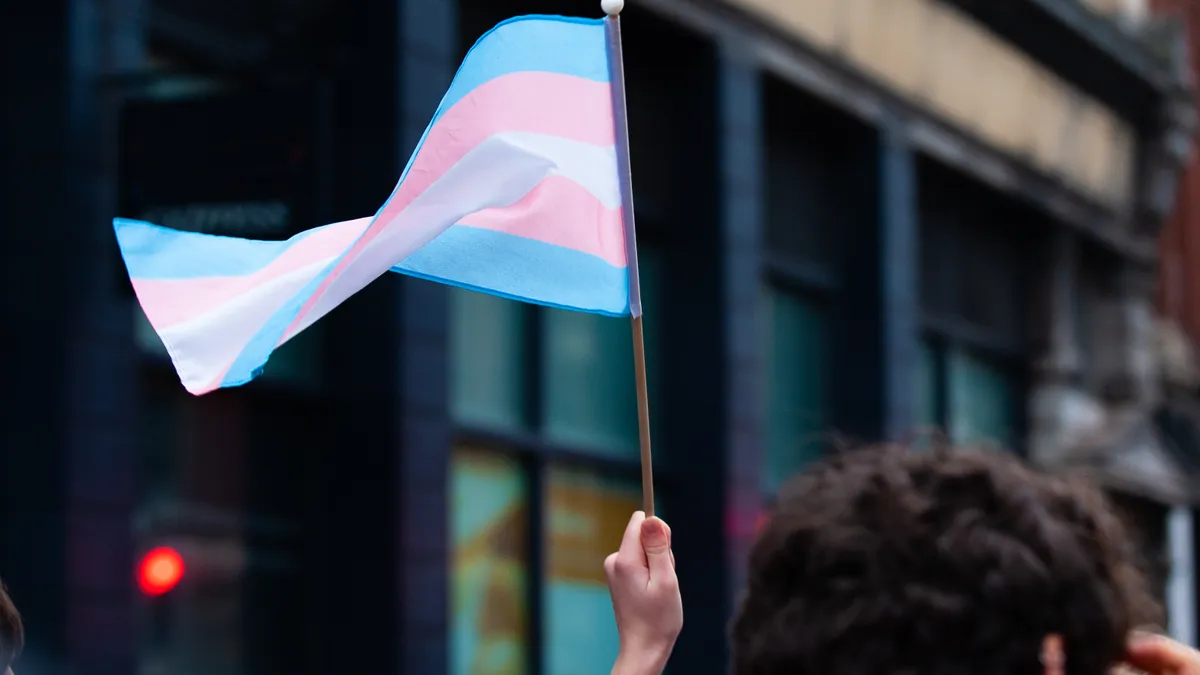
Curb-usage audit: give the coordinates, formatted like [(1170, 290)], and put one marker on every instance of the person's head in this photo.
[(12, 633), (889, 561)]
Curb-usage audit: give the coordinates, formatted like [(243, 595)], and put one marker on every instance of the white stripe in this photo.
[(594, 167), (496, 173), (203, 347)]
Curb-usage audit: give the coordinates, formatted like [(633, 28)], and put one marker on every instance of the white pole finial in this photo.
[(612, 7)]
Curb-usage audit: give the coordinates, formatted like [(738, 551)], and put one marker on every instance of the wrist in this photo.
[(641, 661)]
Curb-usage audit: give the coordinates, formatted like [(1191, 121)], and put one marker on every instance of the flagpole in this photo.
[(616, 72)]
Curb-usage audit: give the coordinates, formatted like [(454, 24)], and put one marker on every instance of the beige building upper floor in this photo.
[(932, 53)]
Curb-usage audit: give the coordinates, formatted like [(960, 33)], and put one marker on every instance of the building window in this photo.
[(587, 376), (546, 400), (982, 400), (927, 390), (598, 350), (586, 514), (974, 293), (973, 297), (797, 353), (488, 370), (490, 579), (974, 400), (812, 157)]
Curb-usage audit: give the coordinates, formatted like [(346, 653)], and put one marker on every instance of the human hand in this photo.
[(645, 596), (1158, 655)]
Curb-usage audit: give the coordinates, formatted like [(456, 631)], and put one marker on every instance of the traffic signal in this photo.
[(160, 571)]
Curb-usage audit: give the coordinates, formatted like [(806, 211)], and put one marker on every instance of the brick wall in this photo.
[(1179, 245)]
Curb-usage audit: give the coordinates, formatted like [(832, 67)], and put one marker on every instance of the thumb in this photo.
[(656, 542), (1155, 654)]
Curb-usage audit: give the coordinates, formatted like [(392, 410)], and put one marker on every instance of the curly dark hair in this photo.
[(12, 632), (890, 561)]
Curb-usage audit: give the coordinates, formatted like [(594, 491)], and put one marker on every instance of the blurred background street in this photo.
[(857, 219)]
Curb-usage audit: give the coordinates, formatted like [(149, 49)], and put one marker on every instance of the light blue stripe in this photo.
[(154, 252), (521, 269), (551, 44)]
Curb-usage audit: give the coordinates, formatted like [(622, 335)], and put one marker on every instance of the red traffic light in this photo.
[(160, 571)]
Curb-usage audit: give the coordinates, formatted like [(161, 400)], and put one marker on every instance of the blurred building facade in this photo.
[(854, 215), (1178, 314)]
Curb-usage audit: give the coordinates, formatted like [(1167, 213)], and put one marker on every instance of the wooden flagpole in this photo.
[(616, 72)]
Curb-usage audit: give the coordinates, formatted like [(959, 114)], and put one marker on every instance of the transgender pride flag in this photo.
[(514, 190)]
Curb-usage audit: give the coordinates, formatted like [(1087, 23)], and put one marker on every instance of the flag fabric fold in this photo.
[(513, 190)]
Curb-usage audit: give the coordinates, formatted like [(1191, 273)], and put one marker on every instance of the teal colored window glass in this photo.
[(927, 387), (586, 515), (796, 356), (982, 401), (488, 360), (587, 382), (588, 395), (489, 632)]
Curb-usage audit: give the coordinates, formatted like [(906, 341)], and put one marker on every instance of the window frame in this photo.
[(815, 272), (813, 284), (534, 454), (942, 335), (811, 281), (945, 198)]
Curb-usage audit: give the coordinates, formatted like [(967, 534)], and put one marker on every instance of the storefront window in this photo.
[(585, 400), (586, 515), (982, 402), (927, 387), (490, 617), (796, 358), (488, 365), (588, 382), (597, 351)]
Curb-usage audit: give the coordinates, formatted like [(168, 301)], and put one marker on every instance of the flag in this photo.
[(513, 190)]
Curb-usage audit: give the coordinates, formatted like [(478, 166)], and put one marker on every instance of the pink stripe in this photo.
[(560, 212), (171, 301), (534, 102)]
